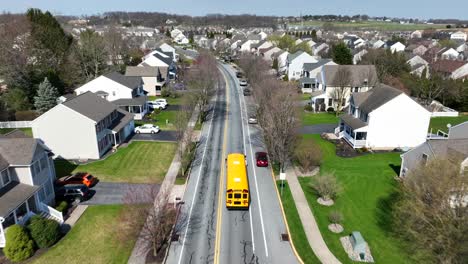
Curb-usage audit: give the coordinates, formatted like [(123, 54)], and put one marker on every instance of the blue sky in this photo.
[(393, 8)]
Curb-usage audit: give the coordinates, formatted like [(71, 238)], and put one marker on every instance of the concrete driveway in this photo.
[(318, 129), (163, 135), (119, 193)]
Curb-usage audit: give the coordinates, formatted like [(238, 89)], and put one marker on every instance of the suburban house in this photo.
[(309, 73), (451, 69), (85, 127), (383, 118), (323, 47), (348, 78), (267, 54), (453, 148), (154, 78), (166, 48), (125, 91), (459, 35), (450, 54), (416, 34), (27, 174), (418, 65), (295, 63), (261, 45), (396, 47), (159, 58), (419, 50), (282, 57), (357, 57), (378, 44)]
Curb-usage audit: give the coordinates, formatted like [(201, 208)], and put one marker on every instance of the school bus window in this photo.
[(244, 196), (237, 196), (230, 195)]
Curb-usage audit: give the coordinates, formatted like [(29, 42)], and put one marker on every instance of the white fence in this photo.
[(53, 212), (15, 124)]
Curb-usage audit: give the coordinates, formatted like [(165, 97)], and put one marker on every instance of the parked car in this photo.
[(262, 159), (253, 120), (147, 128), (156, 105), (78, 178), (239, 74), (73, 192), (247, 92), (162, 101), (243, 82)]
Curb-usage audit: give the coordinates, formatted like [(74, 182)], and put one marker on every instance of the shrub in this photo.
[(335, 217), (44, 232), (165, 92), (26, 115), (19, 245), (330, 109), (62, 206), (175, 94), (308, 155), (326, 186), (308, 107)]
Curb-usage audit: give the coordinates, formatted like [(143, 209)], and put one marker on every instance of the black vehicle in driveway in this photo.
[(73, 192), (247, 92)]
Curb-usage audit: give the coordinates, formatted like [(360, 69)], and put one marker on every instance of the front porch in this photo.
[(136, 106), (18, 203), (353, 131)]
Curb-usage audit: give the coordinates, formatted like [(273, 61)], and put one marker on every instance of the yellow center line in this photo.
[(221, 177)]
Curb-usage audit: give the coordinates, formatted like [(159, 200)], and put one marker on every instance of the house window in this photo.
[(5, 177), (48, 189), (424, 159), (113, 93), (330, 101), (36, 168), (43, 162), (356, 89)]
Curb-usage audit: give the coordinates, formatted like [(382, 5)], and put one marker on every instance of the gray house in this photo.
[(454, 148), (85, 127), (27, 173)]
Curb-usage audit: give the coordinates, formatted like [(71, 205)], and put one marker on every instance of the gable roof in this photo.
[(131, 82), (312, 66), (451, 149), (293, 56), (17, 151), (447, 66), (91, 106), (375, 98), (145, 71), (358, 73)]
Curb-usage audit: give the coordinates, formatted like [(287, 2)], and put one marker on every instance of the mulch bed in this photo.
[(344, 150)]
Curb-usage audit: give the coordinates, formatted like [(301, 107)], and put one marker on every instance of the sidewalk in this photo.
[(141, 248), (311, 229)]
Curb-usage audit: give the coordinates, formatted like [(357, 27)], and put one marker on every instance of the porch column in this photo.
[(1, 225), (115, 139), (14, 216)]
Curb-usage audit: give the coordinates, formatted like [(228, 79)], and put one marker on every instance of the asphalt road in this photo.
[(119, 193), (211, 233)]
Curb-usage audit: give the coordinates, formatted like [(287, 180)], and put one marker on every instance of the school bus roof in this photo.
[(236, 172)]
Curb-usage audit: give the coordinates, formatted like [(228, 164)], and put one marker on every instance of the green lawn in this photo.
[(27, 131), (319, 118), (377, 25), (139, 162), (160, 120), (441, 122), (365, 201), (305, 97), (91, 240), (298, 235)]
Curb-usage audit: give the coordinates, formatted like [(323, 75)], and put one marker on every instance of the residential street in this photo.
[(213, 233)]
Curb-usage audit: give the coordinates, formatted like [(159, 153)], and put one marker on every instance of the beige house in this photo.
[(154, 78)]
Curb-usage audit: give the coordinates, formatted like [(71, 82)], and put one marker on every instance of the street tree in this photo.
[(91, 55), (342, 84), (46, 97), (432, 212), (341, 54), (116, 47)]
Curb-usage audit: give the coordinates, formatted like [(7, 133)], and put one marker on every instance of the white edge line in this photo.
[(196, 185)]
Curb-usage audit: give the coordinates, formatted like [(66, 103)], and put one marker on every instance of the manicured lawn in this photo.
[(92, 240), (27, 131), (298, 235), (139, 162), (305, 97), (319, 118), (365, 201), (441, 122), (160, 120)]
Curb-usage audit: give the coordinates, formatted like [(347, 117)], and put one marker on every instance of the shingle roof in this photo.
[(447, 66), (18, 151), (292, 56), (13, 195), (312, 66), (353, 122), (358, 74), (144, 71), (121, 121), (376, 97), (141, 100), (452, 149), (166, 60), (128, 81), (91, 106)]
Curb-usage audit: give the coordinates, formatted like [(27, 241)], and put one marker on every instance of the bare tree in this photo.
[(91, 55), (184, 134), (203, 79), (432, 213), (341, 87), (116, 46), (153, 215)]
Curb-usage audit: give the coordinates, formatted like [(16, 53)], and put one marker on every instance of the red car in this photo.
[(78, 178), (262, 159)]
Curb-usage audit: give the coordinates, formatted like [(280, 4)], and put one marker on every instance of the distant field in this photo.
[(377, 25)]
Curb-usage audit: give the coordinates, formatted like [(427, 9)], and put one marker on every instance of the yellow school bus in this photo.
[(237, 183)]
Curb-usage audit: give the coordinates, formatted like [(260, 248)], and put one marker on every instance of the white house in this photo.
[(450, 54), (246, 45), (323, 47), (282, 57), (263, 35), (357, 78), (181, 39), (378, 44), (295, 63), (459, 35), (384, 118), (84, 127), (125, 91), (298, 41), (175, 32), (463, 47), (416, 34), (268, 53), (168, 48), (309, 73), (161, 59), (397, 47), (358, 56)]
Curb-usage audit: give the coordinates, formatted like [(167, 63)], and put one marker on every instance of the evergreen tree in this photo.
[(168, 33), (341, 54), (314, 35), (46, 96)]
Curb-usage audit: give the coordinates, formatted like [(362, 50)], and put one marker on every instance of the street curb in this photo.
[(284, 218)]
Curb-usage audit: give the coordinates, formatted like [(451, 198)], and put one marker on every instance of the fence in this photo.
[(15, 124), (51, 211)]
